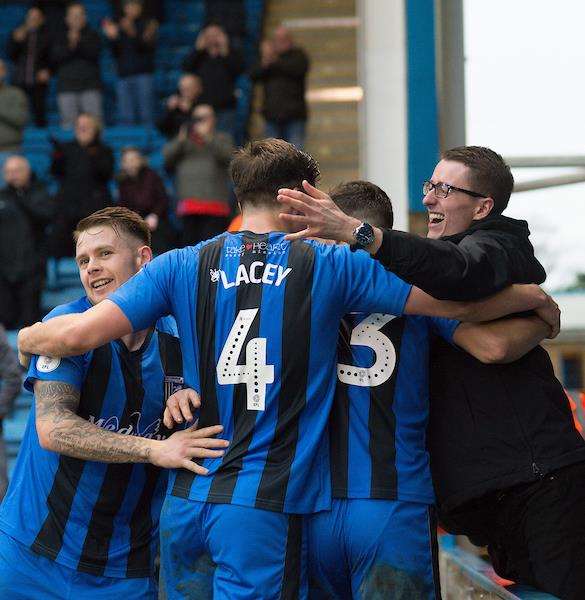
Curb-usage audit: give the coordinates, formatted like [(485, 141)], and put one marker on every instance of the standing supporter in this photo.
[(508, 464), (179, 106), (25, 211), (75, 54), (230, 15), (218, 65), (133, 40), (10, 382), (282, 71), (28, 48), (84, 168), (199, 157), (283, 303), (81, 514), (13, 116), (141, 189)]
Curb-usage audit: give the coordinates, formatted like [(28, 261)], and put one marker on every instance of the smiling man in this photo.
[(70, 525), (508, 465)]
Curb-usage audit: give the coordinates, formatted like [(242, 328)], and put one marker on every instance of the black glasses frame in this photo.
[(433, 186)]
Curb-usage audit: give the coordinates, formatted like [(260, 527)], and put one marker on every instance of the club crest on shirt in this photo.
[(47, 364), (173, 384)]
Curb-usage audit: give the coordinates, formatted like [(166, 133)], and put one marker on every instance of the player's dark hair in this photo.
[(122, 220), (261, 168), (365, 201), (489, 174)]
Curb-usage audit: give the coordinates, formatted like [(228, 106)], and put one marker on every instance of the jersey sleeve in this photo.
[(368, 286), (69, 370), (444, 328), (146, 297)]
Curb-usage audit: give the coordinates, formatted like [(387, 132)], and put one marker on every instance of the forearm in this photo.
[(50, 338), (61, 430), (514, 299), (502, 341)]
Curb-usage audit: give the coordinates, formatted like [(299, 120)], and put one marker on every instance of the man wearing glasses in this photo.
[(508, 465)]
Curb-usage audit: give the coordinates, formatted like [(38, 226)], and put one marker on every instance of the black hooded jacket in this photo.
[(491, 426)]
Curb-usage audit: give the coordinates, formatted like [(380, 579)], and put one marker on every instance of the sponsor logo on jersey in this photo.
[(256, 248), (134, 427), (47, 364), (258, 272)]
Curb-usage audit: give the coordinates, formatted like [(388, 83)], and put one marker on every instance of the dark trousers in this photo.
[(37, 99), (20, 301), (197, 228), (535, 532)]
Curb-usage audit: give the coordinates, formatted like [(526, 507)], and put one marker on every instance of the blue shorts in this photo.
[(373, 549), (25, 575), (254, 553)]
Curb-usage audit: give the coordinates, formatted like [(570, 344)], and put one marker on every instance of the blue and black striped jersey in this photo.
[(258, 319), (95, 517), (379, 419)]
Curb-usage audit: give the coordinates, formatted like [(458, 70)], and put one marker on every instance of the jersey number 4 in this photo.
[(255, 373), (367, 333)]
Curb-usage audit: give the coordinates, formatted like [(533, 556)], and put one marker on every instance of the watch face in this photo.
[(364, 234)]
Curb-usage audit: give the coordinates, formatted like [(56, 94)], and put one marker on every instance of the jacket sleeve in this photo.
[(15, 112), (38, 205), (222, 147), (235, 62), (295, 64), (103, 163), (14, 48), (173, 151), (160, 197), (10, 375), (477, 267), (192, 61)]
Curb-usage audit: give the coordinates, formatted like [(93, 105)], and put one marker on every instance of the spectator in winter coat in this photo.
[(13, 116), (25, 211), (28, 48), (84, 168), (133, 41), (180, 105), (199, 156), (283, 70), (219, 66), (75, 55), (141, 189)]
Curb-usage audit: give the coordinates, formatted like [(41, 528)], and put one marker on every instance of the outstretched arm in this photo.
[(514, 299), (501, 341), (62, 430), (75, 334)]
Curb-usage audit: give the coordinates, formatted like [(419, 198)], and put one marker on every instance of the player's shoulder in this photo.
[(76, 306)]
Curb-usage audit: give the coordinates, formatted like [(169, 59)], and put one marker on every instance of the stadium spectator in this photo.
[(218, 65), (13, 116), (75, 55), (274, 309), (199, 157), (25, 211), (282, 70), (10, 381), (141, 189), (179, 106), (28, 48), (84, 168), (508, 464), (133, 40), (103, 407), (230, 15)]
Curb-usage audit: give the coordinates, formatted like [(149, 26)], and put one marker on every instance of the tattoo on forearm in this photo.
[(70, 434)]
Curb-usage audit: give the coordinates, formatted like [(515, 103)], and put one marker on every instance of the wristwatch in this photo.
[(363, 235)]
